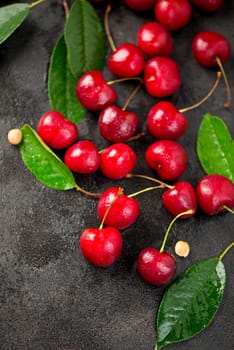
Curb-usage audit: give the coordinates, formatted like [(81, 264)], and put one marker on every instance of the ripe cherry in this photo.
[(168, 158), (165, 121), (179, 198), (154, 39), (156, 268), (101, 246), (93, 92), (173, 14), (127, 60), (161, 77), (123, 212), (215, 193), (117, 161), (208, 46), (139, 5), (116, 124), (208, 5), (56, 130), (82, 157)]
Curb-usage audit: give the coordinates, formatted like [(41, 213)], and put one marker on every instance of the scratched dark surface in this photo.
[(50, 297)]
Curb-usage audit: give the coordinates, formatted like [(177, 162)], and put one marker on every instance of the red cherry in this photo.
[(101, 246), (173, 14), (207, 46), (82, 157), (126, 61), (154, 40), (155, 267), (57, 131), (116, 124), (161, 77), (164, 121), (123, 212), (139, 5), (168, 158), (214, 192), (208, 5), (180, 198), (117, 161), (93, 92)]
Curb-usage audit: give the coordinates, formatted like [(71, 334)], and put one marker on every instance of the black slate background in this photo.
[(50, 297)]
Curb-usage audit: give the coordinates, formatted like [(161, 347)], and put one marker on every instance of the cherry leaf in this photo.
[(84, 39), (61, 85), (43, 163), (215, 147), (11, 17), (191, 302)]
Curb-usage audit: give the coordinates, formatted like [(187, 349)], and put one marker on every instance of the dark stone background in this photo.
[(50, 297)]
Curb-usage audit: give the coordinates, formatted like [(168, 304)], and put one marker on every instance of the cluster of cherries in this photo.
[(161, 78)]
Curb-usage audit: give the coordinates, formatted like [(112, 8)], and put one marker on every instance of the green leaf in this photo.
[(215, 147), (84, 39), (43, 163), (61, 85), (11, 17), (191, 302)]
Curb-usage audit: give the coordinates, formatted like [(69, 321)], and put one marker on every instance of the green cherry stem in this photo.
[(190, 211), (144, 190), (120, 192), (66, 8), (121, 80), (35, 3), (228, 209), (107, 27), (162, 184), (131, 96), (189, 108), (226, 250), (227, 104)]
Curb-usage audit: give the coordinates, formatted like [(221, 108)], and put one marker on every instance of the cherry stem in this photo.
[(107, 27), (219, 74), (66, 7), (35, 3), (125, 79), (132, 95), (228, 209), (162, 184), (87, 193), (187, 212), (227, 104), (136, 137), (144, 190), (120, 192), (226, 250)]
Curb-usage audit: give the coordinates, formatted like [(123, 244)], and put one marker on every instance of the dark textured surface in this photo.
[(50, 298)]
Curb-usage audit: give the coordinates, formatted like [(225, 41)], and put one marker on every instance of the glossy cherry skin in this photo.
[(116, 124), (173, 14), (117, 161), (180, 198), (123, 212), (207, 46), (126, 61), (168, 158), (213, 192), (82, 157), (156, 268), (93, 92), (139, 5), (101, 247), (208, 5), (164, 121), (154, 40), (161, 77), (56, 130)]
